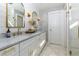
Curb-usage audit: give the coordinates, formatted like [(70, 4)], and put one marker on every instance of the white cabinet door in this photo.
[(39, 44), (42, 40), (56, 27), (33, 46), (27, 47), (24, 47), (11, 51)]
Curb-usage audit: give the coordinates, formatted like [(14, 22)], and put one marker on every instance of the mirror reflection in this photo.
[(15, 15)]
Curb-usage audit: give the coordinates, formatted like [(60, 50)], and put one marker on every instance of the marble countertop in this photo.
[(7, 42)]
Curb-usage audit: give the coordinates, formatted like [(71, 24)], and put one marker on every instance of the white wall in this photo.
[(2, 18), (44, 20)]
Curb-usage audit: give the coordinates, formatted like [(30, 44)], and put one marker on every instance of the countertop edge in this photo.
[(3, 48)]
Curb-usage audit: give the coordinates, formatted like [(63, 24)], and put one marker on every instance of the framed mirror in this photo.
[(15, 15)]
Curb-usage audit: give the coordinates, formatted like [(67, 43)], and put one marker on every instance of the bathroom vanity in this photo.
[(23, 45)]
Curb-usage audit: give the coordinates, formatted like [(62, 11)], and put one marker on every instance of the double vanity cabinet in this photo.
[(30, 45)]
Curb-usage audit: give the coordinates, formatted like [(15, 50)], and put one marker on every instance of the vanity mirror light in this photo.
[(15, 13)]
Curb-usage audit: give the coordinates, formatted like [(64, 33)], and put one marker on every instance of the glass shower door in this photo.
[(74, 29)]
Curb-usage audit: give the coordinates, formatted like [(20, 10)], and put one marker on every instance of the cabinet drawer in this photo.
[(11, 51)]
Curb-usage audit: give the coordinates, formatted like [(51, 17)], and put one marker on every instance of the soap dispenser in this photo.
[(8, 33)]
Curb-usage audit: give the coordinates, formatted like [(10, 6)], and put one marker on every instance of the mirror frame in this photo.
[(7, 18)]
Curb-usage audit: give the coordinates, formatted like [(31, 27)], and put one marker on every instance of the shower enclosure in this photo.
[(73, 29)]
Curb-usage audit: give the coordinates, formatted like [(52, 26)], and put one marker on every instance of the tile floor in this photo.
[(53, 50)]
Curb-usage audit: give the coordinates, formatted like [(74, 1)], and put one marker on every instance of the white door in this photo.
[(57, 27)]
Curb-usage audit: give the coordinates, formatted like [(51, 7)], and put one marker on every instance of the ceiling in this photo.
[(48, 6)]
